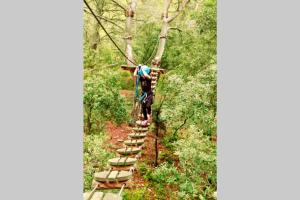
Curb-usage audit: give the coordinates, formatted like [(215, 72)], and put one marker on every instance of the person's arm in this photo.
[(146, 75), (135, 71)]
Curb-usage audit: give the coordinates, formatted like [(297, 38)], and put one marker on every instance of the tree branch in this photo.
[(175, 28), (183, 5), (116, 10), (118, 4), (180, 31), (184, 122), (105, 19)]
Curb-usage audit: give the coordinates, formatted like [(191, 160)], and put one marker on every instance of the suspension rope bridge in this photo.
[(121, 168)]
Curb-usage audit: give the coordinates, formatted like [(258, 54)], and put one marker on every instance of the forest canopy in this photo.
[(185, 103)]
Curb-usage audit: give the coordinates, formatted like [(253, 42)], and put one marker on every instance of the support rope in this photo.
[(87, 5), (109, 36)]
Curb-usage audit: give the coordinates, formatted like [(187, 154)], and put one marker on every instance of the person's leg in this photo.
[(149, 113), (144, 109), (148, 106)]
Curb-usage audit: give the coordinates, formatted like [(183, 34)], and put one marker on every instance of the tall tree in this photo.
[(166, 20), (129, 13)]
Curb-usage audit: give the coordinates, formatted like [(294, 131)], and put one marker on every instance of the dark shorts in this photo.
[(147, 101)]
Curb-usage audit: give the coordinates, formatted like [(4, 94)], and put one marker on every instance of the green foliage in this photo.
[(126, 82), (197, 156), (165, 174), (136, 194), (193, 47), (195, 100), (95, 156), (102, 100), (145, 47), (191, 84), (191, 123), (185, 101)]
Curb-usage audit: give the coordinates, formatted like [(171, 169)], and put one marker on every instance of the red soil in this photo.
[(117, 132), (126, 93), (148, 152)]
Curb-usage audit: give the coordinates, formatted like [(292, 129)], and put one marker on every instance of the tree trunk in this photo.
[(129, 13), (95, 38), (162, 42), (163, 34), (89, 121), (164, 30), (159, 53), (156, 144)]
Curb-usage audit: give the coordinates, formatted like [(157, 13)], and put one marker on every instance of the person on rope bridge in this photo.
[(142, 74)]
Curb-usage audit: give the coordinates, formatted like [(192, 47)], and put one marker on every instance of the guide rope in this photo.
[(101, 25), (108, 33), (155, 47)]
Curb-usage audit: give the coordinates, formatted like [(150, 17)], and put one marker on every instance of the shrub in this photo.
[(102, 100), (95, 156)]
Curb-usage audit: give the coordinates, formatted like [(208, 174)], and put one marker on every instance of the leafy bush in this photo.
[(191, 123), (136, 194), (102, 100), (126, 82), (95, 156), (165, 174), (195, 100), (197, 156), (191, 85)]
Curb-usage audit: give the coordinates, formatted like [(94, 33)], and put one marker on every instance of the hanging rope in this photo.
[(155, 47), (137, 87), (87, 5), (123, 54)]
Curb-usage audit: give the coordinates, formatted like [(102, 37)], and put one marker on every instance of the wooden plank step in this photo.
[(137, 135), (111, 196), (122, 161), (125, 168), (139, 123), (130, 68), (128, 151), (153, 77), (156, 69), (101, 196), (112, 176), (111, 185), (95, 196), (140, 129), (134, 142)]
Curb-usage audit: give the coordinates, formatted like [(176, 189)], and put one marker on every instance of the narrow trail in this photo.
[(132, 145)]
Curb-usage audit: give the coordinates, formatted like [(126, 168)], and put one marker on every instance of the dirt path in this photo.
[(117, 133)]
